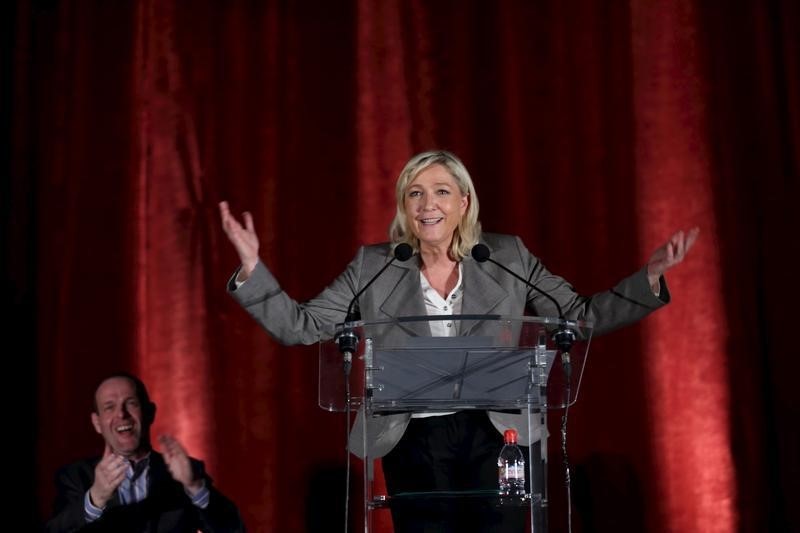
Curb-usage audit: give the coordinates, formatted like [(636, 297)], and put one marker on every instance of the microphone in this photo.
[(564, 336), (347, 339), (402, 252)]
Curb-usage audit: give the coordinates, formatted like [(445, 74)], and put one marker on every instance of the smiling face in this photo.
[(434, 205), (121, 418)]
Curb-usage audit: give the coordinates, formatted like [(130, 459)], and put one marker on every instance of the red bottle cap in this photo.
[(510, 436)]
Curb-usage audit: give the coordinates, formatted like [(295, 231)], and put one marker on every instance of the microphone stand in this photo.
[(565, 362), (347, 340), (564, 337)]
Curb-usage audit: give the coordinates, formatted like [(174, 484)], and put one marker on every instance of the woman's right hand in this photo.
[(243, 238)]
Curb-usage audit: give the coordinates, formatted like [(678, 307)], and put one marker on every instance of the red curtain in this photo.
[(592, 130)]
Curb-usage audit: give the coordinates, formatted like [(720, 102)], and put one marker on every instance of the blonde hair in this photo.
[(468, 231)]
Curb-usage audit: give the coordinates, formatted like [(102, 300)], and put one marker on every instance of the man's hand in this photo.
[(179, 465), (108, 475)]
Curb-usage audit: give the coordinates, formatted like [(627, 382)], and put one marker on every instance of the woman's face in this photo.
[(434, 206)]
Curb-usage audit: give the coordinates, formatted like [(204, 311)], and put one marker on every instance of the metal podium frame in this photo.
[(519, 367)]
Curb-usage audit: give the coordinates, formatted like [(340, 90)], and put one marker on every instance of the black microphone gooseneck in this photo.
[(347, 339), (564, 337)]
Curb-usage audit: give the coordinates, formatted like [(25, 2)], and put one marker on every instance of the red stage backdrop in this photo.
[(592, 129)]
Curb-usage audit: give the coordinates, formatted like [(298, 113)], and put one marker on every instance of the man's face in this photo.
[(120, 417)]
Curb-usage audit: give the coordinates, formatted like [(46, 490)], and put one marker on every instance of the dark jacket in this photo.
[(166, 508)]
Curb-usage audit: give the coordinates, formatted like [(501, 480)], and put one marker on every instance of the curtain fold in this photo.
[(686, 370)]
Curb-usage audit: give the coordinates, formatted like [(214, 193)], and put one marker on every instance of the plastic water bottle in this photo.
[(511, 466)]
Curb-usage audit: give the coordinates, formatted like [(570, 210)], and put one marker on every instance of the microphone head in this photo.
[(481, 253), (403, 251)]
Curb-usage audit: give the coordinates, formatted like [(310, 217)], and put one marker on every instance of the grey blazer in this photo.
[(397, 293)]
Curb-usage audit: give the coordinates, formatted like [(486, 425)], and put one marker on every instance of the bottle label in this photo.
[(513, 471)]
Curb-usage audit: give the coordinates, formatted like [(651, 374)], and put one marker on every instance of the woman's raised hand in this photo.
[(243, 238)]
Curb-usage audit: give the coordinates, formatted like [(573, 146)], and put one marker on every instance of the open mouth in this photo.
[(430, 221)]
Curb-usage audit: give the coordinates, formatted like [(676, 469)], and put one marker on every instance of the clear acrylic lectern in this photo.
[(517, 368)]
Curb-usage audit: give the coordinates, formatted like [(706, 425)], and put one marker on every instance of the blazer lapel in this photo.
[(404, 297), (482, 294), (159, 496), (159, 475)]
